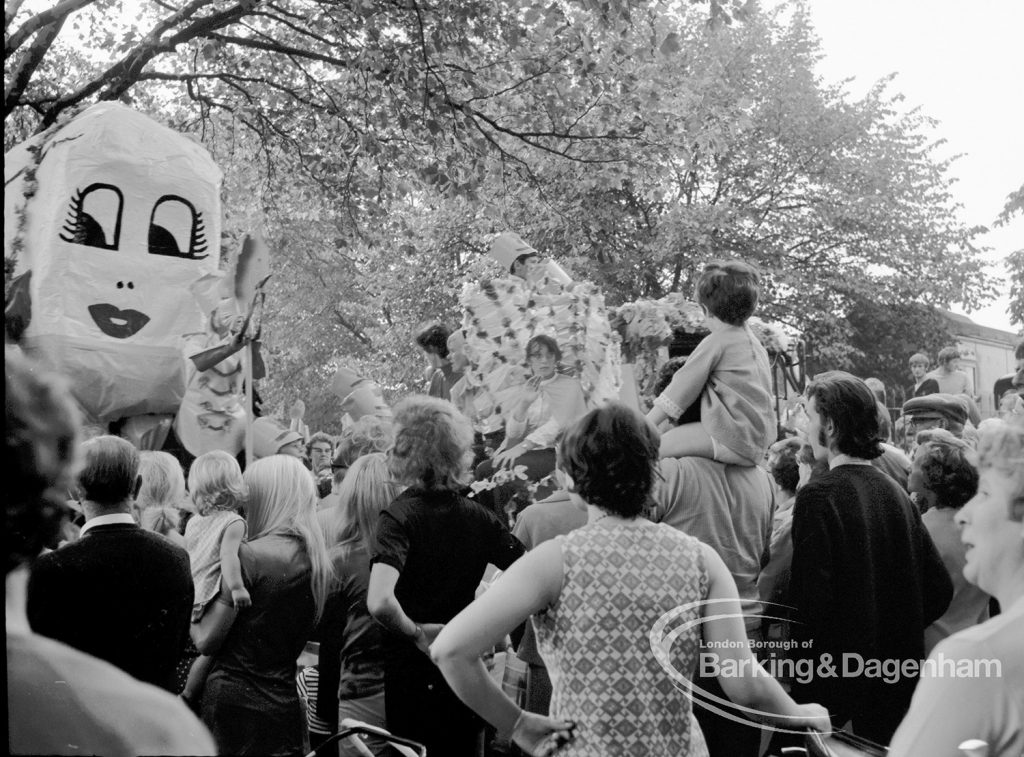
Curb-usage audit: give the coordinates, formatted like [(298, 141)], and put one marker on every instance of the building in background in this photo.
[(985, 355)]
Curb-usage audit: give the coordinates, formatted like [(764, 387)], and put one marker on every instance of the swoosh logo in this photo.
[(117, 323)]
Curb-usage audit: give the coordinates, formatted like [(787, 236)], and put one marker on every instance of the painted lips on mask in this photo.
[(117, 323)]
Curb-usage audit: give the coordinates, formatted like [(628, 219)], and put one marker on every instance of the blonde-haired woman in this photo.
[(351, 648), (431, 549), (972, 685), (250, 702), (162, 495)]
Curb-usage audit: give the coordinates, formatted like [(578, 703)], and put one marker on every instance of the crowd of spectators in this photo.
[(650, 597)]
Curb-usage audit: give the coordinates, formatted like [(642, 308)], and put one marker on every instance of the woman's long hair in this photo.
[(282, 500), (367, 489)]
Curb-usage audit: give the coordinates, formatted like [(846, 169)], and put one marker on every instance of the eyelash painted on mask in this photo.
[(74, 230), (197, 243)]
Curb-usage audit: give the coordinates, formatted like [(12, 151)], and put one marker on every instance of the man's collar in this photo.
[(113, 519), (844, 459)]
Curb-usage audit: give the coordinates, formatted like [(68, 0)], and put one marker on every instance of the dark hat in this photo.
[(944, 406)]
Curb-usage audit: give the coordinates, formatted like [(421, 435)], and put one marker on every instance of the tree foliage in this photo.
[(883, 338), (381, 143), (1015, 260)]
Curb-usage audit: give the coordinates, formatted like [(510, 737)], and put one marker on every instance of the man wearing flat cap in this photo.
[(935, 411)]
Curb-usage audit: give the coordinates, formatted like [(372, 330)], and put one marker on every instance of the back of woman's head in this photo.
[(215, 483), (948, 468), (163, 483), (281, 499), (432, 446), (278, 490), (612, 456), (367, 489), (161, 520)]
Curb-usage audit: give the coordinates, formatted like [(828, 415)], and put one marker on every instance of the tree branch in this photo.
[(277, 47), (119, 77), (10, 11), (56, 14), (353, 329), (30, 60)]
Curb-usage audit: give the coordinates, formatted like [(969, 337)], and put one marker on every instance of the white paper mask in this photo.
[(123, 242)]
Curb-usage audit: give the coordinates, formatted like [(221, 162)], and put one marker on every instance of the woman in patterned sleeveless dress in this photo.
[(620, 608)]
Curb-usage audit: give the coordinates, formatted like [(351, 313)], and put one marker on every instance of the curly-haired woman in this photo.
[(431, 549), (943, 478), (599, 596)]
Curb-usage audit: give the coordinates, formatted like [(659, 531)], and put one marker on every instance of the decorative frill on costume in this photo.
[(646, 328), (502, 315)]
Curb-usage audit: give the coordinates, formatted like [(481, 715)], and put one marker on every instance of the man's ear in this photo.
[(830, 431), (137, 488)]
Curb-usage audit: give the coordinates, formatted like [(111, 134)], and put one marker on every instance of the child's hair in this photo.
[(729, 290), (215, 483)]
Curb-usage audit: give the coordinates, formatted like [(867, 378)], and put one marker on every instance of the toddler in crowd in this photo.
[(212, 538), (728, 372)]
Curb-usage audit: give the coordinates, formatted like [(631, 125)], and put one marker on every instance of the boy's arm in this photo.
[(689, 381), (230, 566)]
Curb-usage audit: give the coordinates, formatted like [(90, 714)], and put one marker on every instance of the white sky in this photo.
[(962, 62)]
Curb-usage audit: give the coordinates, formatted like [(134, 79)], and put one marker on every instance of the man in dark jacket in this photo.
[(119, 593), (866, 577)]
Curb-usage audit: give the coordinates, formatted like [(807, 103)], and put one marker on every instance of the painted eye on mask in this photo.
[(94, 217), (176, 229)]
